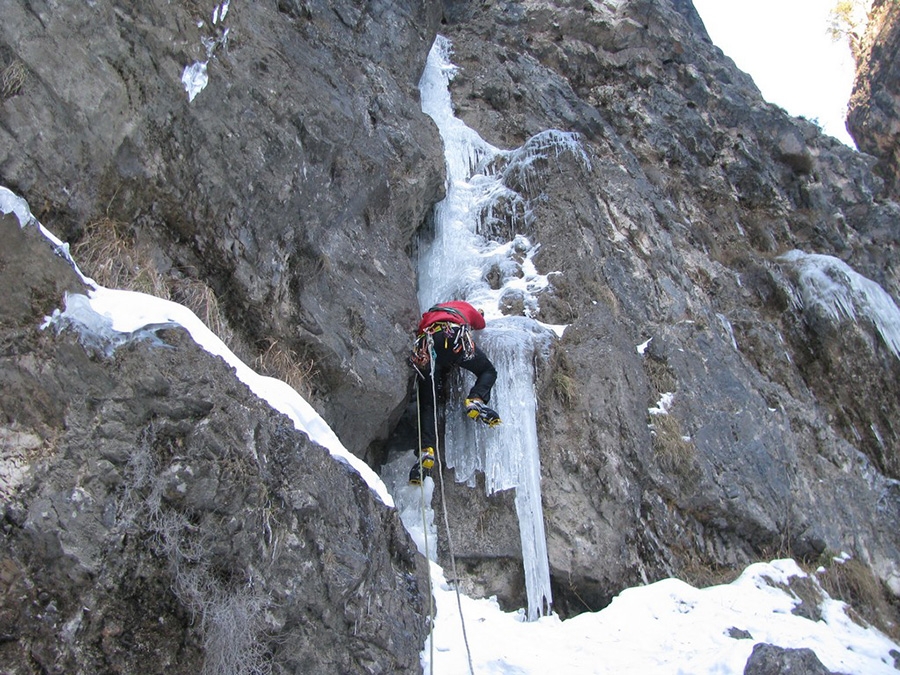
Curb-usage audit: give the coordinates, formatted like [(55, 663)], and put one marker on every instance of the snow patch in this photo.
[(664, 627), (194, 78), (664, 405), (641, 348), (556, 329)]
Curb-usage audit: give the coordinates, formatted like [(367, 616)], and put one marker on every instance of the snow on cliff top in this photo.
[(109, 313)]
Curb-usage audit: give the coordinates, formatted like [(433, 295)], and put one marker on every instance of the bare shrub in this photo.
[(232, 623), (230, 607), (20, 449), (141, 496), (847, 20)]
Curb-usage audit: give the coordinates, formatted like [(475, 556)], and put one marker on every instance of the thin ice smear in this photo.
[(195, 76), (830, 285)]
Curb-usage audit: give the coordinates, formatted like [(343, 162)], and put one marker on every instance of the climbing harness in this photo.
[(423, 355), (446, 522)]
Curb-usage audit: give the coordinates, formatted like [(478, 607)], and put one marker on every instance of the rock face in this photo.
[(675, 236), (771, 660), (296, 177), (874, 115), (153, 493), (159, 518)]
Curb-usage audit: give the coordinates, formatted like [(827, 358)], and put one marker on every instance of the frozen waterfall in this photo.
[(454, 264)]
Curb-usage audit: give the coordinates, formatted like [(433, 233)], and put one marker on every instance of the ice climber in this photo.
[(444, 340)]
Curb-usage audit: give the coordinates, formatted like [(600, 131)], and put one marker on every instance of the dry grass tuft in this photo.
[(109, 255), (565, 388), (852, 582), (202, 301), (676, 454), (563, 382), (701, 573), (13, 79), (285, 364), (232, 613)]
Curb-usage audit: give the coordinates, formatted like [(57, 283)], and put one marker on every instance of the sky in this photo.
[(786, 48), (667, 627)]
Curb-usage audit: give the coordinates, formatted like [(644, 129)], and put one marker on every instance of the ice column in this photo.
[(508, 455), (453, 265)]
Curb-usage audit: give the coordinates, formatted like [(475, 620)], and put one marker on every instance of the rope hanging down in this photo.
[(440, 472), (431, 613)]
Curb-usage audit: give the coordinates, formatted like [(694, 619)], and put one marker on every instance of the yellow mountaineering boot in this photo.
[(427, 457), (422, 468), (477, 410)]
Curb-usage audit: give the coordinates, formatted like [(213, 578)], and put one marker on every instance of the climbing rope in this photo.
[(431, 613), (440, 472)]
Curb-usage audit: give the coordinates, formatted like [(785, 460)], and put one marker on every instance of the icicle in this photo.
[(842, 293), (509, 455)]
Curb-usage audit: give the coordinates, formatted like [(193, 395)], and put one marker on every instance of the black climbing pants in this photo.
[(445, 360)]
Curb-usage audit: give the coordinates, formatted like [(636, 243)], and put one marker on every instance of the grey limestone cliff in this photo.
[(293, 187), (676, 235), (875, 102)]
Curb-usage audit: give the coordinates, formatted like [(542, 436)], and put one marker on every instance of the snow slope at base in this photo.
[(665, 627)]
